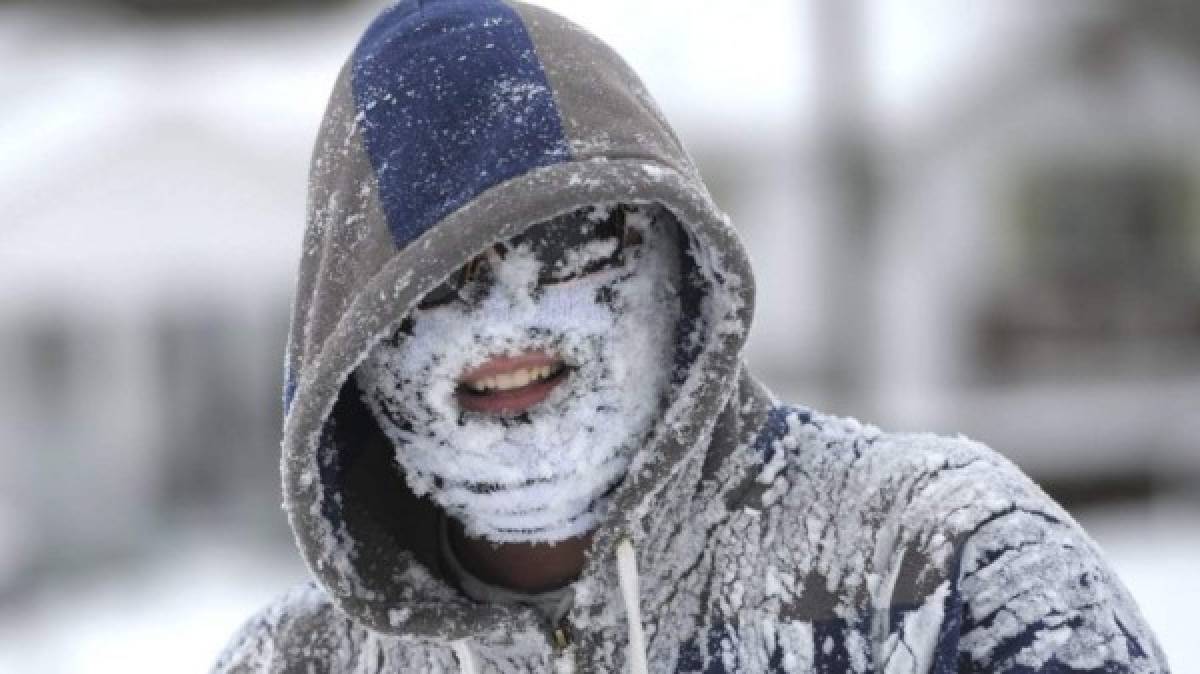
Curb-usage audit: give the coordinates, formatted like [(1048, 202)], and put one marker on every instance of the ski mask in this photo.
[(604, 305)]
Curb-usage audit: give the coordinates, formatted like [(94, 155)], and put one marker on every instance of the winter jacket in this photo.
[(748, 536)]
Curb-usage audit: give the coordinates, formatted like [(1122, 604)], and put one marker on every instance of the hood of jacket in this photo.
[(454, 125)]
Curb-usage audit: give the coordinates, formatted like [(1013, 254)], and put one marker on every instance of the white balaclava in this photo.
[(546, 474)]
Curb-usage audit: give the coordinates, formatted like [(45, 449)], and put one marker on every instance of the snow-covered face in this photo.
[(518, 409)]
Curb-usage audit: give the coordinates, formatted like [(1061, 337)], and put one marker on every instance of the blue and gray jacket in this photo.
[(751, 536)]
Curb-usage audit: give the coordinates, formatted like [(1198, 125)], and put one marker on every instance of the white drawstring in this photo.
[(466, 661), (628, 576)]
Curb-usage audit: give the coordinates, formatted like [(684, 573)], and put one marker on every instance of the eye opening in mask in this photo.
[(553, 243)]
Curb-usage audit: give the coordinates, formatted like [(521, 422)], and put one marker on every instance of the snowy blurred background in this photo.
[(966, 217)]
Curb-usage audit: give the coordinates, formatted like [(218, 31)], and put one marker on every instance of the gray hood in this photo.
[(455, 125)]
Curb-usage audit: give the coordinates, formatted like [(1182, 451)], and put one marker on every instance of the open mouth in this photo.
[(511, 384)]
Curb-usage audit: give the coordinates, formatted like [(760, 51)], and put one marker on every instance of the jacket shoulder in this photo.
[(914, 477), (1017, 583), (299, 629), (303, 632)]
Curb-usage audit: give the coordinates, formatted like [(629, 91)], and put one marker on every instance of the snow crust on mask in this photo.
[(542, 475)]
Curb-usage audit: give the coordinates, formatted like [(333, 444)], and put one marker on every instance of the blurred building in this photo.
[(155, 195), (1039, 250)]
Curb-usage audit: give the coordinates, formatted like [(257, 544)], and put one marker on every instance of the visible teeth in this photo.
[(511, 380)]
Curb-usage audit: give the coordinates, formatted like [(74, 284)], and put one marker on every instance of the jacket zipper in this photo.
[(566, 658)]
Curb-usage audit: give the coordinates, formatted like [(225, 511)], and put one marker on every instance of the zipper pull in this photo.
[(565, 656), (562, 637)]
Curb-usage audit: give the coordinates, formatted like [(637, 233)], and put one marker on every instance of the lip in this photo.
[(513, 401)]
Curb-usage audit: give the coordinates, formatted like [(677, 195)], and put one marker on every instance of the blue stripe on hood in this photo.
[(452, 100)]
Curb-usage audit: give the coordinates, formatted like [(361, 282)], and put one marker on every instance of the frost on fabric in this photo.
[(541, 475), (828, 545), (303, 632), (842, 555)]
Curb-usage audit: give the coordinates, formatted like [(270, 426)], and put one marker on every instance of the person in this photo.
[(519, 434)]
